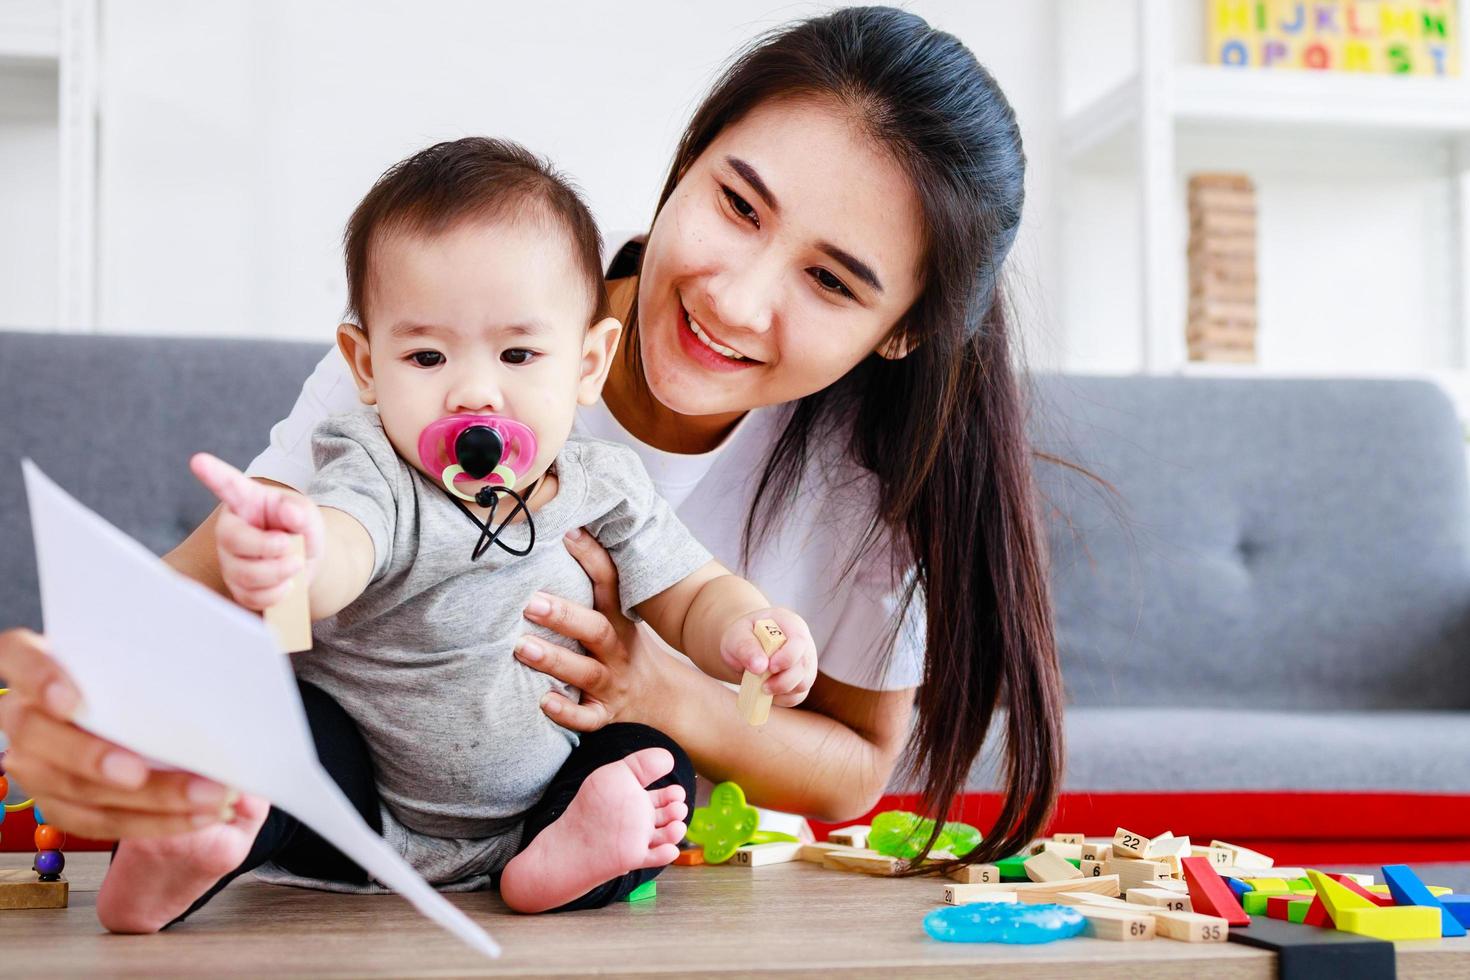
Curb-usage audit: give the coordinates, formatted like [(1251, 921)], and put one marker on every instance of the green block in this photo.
[(645, 891), (1297, 911), (1302, 885), (1013, 868), (1254, 903)]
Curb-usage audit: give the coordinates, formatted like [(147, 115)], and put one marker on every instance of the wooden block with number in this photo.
[(1133, 873), (754, 703), (1219, 857), (1118, 925), (1077, 898), (961, 894), (1191, 927), (290, 619), (1092, 869), (1244, 857), (759, 855), (1050, 866), (1096, 852), (1069, 838), (1062, 849), (1160, 898), (855, 836), (1127, 844), (23, 890), (976, 874)]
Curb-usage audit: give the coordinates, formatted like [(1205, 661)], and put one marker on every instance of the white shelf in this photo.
[(30, 31), (1301, 101)]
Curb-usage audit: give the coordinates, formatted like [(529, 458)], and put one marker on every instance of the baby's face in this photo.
[(485, 318)]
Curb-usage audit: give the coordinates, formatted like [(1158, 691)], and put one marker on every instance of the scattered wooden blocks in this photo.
[(962, 894), (1118, 925), (760, 855), (23, 890), (856, 836), (1191, 927), (1209, 893), (1095, 852), (1129, 845), (1077, 898), (1050, 866), (1160, 898)]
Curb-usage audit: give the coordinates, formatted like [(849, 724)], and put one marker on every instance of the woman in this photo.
[(817, 373)]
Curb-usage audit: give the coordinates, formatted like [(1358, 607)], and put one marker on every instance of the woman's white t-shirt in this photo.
[(797, 564)]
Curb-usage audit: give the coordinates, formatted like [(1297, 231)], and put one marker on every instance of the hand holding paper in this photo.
[(171, 670)]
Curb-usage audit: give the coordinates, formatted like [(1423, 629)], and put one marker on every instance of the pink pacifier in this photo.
[(477, 448)]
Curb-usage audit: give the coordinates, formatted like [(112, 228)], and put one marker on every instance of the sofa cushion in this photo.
[(1278, 543)]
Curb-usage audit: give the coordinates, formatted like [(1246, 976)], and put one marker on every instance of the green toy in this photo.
[(901, 834), (645, 891), (725, 825)]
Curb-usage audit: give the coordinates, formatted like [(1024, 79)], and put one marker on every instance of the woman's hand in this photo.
[(83, 784), (618, 680)]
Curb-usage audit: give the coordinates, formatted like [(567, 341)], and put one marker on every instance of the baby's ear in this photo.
[(598, 348), (353, 343)]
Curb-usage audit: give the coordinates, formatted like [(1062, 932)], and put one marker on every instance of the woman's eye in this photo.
[(830, 282), (517, 355), (741, 206), (427, 358)]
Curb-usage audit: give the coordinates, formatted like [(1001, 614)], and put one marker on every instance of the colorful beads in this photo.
[(49, 864), (49, 838), (4, 787)]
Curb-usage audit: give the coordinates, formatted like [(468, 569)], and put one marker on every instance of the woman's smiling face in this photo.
[(785, 256)]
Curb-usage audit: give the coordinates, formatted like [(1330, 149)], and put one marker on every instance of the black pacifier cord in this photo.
[(490, 497)]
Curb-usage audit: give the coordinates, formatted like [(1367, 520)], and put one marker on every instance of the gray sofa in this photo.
[(1276, 597)]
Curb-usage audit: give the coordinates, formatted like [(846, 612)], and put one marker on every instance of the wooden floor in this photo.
[(792, 919)]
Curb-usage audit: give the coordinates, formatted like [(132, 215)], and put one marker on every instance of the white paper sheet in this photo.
[(174, 672)]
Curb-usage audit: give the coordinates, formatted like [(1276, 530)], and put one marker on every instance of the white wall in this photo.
[(237, 136)]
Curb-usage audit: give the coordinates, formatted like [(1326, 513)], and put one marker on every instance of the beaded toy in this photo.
[(49, 862)]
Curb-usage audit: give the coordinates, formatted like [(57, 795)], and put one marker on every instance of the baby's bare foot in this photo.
[(153, 881), (613, 826)]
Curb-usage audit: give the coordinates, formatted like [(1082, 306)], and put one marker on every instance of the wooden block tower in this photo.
[(1222, 268)]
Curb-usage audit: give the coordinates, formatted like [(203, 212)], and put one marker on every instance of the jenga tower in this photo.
[(1222, 268)]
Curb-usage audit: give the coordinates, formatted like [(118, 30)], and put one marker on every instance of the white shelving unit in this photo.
[(1165, 104), (48, 133)]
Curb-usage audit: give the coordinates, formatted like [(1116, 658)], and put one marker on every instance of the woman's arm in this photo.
[(830, 759)]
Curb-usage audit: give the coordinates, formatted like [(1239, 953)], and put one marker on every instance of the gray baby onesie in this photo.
[(422, 660)]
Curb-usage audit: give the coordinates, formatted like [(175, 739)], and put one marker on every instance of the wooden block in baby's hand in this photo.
[(290, 619), (755, 703)]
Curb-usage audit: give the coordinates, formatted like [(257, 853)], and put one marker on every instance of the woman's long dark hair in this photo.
[(943, 428)]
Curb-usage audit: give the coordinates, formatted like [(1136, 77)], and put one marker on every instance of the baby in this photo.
[(434, 518)]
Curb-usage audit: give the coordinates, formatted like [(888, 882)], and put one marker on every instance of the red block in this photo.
[(1384, 901), (1317, 915), (1209, 894), (1279, 906)]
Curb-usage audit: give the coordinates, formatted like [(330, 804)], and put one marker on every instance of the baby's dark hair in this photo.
[(475, 178)]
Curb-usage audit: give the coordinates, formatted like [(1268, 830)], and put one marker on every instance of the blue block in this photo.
[(1407, 889), (1238, 887), (1458, 906)]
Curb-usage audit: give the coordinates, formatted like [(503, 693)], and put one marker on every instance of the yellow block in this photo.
[(1337, 897), (1435, 890), (1395, 922), (1268, 884)]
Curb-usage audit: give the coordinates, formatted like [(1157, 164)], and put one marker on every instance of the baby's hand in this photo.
[(792, 668), (253, 535)]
